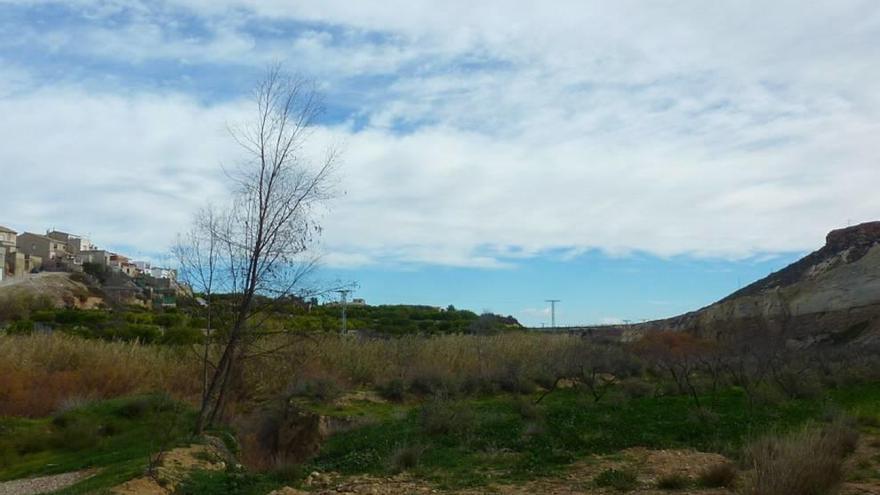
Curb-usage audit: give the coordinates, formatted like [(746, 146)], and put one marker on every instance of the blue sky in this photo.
[(634, 159)]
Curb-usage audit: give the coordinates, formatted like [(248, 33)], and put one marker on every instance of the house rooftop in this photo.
[(61, 233), (41, 236), (7, 230)]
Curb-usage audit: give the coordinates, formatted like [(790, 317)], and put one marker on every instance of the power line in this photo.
[(552, 311), (344, 294)]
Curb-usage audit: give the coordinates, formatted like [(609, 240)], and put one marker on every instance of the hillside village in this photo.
[(28, 254)]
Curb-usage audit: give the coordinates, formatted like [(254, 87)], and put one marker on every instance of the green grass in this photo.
[(500, 443), (117, 436), (476, 441), (229, 483)]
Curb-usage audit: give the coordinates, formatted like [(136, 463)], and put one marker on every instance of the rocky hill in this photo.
[(57, 289), (830, 295)]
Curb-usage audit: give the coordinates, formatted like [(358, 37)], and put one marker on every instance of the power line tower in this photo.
[(552, 312), (344, 295)]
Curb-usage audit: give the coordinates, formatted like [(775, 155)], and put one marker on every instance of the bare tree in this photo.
[(256, 251), (198, 253)]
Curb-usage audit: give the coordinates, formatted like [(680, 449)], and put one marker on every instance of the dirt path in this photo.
[(43, 484)]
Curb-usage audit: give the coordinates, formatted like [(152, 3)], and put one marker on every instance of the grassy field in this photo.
[(460, 410), (117, 435), (451, 443), (473, 442)]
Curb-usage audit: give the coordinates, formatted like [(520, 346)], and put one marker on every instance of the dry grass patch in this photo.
[(809, 462), (41, 373)]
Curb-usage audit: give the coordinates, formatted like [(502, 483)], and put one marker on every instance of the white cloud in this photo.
[(505, 130)]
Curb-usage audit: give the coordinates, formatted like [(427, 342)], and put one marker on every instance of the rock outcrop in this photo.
[(831, 295)]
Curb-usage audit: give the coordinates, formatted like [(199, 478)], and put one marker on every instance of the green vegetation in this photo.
[(403, 319), (454, 443), (184, 325), (232, 482), (469, 442), (117, 435)]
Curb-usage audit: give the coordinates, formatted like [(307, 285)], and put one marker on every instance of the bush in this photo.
[(636, 388), (673, 482), (443, 417), (617, 479), (405, 457), (21, 327), (806, 463), (393, 390), (431, 382), (139, 407), (20, 306), (528, 409), (319, 388), (182, 336), (721, 475), (77, 436)]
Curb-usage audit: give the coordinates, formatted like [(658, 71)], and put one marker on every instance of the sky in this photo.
[(633, 159)]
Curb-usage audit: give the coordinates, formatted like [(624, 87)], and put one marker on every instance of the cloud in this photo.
[(475, 134)]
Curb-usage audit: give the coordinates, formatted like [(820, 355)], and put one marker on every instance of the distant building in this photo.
[(73, 243), (358, 302), (7, 244), (94, 256), (14, 263), (17, 264), (167, 273), (45, 247), (121, 264), (7, 237)]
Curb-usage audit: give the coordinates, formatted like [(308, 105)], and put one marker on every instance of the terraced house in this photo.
[(14, 262)]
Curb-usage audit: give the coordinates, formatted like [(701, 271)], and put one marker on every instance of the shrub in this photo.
[(393, 390), (528, 409), (319, 388), (617, 479), (722, 475), (444, 417), (673, 482), (430, 382), (405, 457), (21, 327), (76, 436), (182, 336), (20, 306), (636, 388), (807, 463), (139, 407)]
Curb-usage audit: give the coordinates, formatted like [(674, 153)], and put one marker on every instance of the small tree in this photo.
[(256, 250), (678, 354)]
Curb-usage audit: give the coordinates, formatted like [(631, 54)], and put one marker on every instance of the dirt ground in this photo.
[(173, 467), (863, 468)]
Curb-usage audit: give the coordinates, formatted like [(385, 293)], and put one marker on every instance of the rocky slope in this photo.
[(58, 288), (830, 295)]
